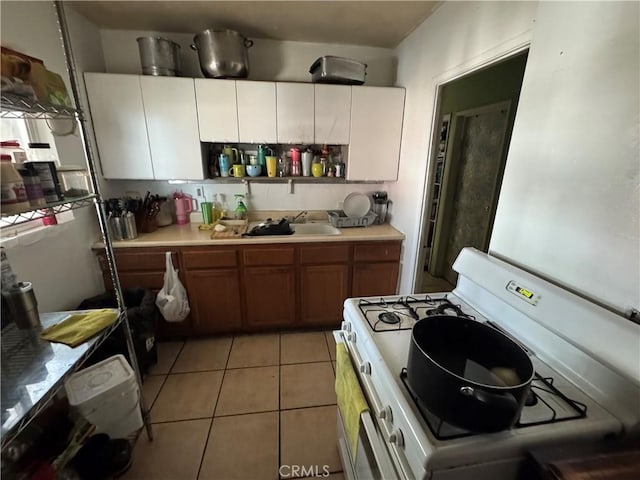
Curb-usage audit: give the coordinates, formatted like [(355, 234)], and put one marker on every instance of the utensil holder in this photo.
[(145, 224)]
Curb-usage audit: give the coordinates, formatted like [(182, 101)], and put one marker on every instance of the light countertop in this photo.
[(189, 235)]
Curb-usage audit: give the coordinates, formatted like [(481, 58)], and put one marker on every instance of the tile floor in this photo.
[(240, 407)]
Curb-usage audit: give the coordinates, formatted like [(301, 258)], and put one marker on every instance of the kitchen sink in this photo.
[(314, 229)]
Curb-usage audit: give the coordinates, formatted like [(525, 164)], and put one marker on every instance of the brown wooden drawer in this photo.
[(319, 254), (269, 256), (377, 252), (213, 257), (136, 259), (150, 280)]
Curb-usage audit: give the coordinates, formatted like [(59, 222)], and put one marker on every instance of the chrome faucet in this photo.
[(299, 218)]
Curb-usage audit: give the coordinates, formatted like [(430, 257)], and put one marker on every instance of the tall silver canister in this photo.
[(23, 306), (159, 56)]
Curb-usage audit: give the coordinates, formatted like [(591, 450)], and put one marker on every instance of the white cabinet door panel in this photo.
[(332, 114), (118, 119), (376, 130), (295, 112), (256, 111), (172, 126), (217, 110)]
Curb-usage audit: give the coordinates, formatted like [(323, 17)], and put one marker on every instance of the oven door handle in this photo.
[(380, 453)]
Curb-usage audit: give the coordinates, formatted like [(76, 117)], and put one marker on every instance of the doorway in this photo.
[(476, 119)]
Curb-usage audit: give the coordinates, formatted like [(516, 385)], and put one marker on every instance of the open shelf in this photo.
[(15, 106), (322, 180), (34, 370), (35, 213)]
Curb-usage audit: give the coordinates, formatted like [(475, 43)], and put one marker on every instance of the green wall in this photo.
[(500, 82)]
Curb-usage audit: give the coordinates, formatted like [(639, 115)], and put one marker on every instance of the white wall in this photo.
[(570, 201), (61, 265), (457, 38), (268, 59)]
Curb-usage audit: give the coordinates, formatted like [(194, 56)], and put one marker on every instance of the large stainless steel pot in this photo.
[(159, 56), (467, 373), (222, 53)]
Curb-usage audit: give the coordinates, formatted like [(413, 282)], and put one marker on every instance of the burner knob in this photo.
[(346, 326), (386, 414), (366, 368), (351, 337), (397, 438)]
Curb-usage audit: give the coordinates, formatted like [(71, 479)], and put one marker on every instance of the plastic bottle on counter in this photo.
[(216, 210), (14, 194), (241, 208)]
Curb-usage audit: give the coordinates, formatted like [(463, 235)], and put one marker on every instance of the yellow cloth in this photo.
[(351, 401), (79, 327)]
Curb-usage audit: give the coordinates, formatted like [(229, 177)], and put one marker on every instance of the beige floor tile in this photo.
[(203, 354), (187, 396), (334, 367), (307, 385), (303, 347), (242, 447), (151, 387), (167, 353), (254, 351), (332, 344), (248, 390), (174, 454), (308, 437)]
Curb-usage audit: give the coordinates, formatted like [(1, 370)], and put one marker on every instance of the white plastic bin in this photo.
[(106, 394)]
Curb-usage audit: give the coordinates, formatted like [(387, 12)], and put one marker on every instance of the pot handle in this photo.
[(503, 402), (193, 47), (248, 43)]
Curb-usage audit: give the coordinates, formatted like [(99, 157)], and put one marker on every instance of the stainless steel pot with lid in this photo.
[(222, 53)]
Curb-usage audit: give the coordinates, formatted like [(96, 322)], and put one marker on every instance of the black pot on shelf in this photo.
[(467, 373)]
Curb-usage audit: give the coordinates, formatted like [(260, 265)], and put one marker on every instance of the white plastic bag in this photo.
[(172, 299)]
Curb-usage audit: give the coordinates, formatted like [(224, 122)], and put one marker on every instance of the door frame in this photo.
[(458, 123), (439, 84)]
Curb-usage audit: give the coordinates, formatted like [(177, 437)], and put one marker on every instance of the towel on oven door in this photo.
[(351, 400)]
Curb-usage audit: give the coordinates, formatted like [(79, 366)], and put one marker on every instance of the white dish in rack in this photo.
[(357, 204)]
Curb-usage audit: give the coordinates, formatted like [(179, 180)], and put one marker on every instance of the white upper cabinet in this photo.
[(118, 119), (256, 111), (295, 113), (217, 110), (332, 114), (376, 129), (172, 127)]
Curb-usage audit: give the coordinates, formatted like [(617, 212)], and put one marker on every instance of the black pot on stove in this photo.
[(467, 373)]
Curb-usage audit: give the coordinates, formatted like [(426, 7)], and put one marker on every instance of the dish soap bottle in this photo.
[(216, 211), (241, 208)]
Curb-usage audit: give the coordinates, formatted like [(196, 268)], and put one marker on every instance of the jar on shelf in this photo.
[(74, 181), (14, 194), (32, 185), (12, 148)]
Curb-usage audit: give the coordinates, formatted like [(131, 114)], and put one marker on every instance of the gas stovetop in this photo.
[(401, 313)]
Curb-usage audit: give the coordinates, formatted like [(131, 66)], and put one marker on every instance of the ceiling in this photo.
[(371, 23)]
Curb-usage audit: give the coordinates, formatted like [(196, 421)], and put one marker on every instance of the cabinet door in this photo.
[(323, 290), (374, 279), (376, 129), (295, 112), (256, 111), (214, 298), (270, 296), (119, 124), (217, 110), (172, 125), (332, 114)]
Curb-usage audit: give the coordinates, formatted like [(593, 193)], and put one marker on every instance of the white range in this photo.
[(587, 384)]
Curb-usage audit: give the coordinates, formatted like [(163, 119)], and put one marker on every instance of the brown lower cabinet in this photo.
[(249, 288)]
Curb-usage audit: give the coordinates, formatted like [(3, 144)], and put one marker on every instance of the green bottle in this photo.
[(241, 208)]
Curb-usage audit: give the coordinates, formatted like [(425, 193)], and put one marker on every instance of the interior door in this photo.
[(474, 182)]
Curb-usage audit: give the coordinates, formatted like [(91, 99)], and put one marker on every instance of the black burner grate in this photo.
[(445, 431), (406, 311)]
